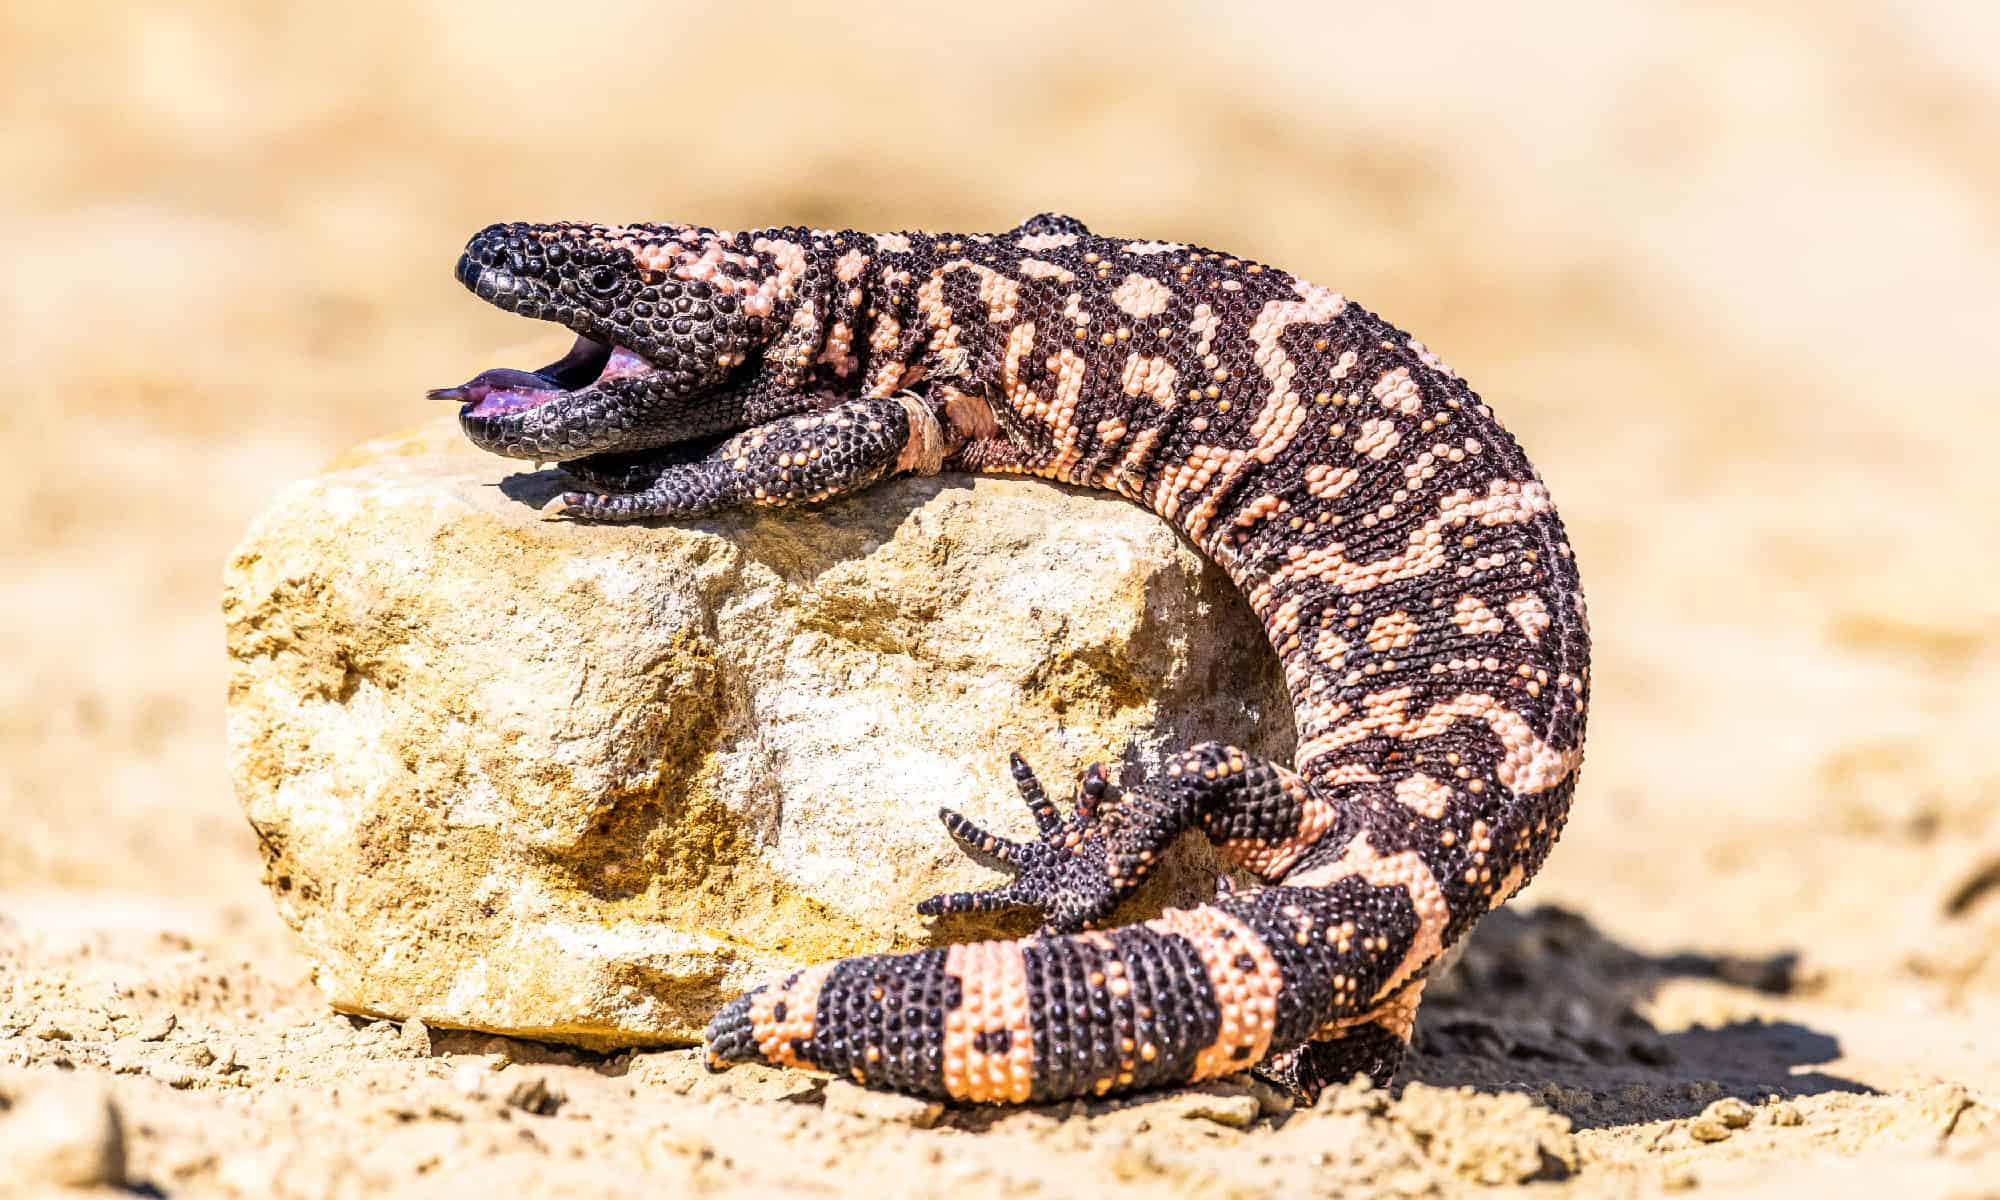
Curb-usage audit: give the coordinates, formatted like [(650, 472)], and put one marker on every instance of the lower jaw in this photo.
[(501, 431), (574, 431), (500, 404)]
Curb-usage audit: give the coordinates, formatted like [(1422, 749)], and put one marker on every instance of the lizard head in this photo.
[(665, 316)]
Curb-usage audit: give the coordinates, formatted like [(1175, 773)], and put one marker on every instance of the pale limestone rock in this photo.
[(586, 782)]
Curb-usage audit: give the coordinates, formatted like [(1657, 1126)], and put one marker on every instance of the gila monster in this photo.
[(1396, 545)]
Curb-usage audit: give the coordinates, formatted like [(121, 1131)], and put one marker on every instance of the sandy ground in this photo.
[(1729, 277)]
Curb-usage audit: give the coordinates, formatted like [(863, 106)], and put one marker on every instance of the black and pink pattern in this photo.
[(1399, 549)]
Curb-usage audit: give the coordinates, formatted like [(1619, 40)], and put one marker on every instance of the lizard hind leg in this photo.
[(1063, 872), (1373, 1045), (1075, 1010), (1079, 868), (1305, 1071)]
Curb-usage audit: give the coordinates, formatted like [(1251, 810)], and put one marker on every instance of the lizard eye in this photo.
[(603, 281)]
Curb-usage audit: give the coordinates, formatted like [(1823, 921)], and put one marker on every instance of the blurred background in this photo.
[(1728, 271)]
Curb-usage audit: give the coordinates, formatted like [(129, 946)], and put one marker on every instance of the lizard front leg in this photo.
[(797, 459), (623, 473)]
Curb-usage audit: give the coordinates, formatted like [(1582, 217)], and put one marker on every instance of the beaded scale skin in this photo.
[(1399, 549)]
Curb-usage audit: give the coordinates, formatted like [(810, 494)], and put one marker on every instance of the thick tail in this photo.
[(1191, 995)]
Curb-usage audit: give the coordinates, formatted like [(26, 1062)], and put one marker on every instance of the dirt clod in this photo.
[(535, 1095), (63, 1133)]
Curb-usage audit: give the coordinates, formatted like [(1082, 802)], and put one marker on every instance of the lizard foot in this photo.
[(1305, 1071), (1064, 873)]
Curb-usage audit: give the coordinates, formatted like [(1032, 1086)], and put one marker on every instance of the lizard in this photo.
[(1400, 551)]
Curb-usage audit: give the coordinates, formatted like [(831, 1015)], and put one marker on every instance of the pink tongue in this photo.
[(498, 380)]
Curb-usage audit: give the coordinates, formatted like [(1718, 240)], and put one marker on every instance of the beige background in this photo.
[(1729, 276)]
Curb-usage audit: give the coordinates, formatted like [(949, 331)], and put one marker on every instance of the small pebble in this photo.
[(499, 1048), (157, 1029), (1732, 1112), (1708, 1129), (196, 1055), (227, 1059), (67, 1133), (416, 1038), (535, 1096), (1271, 1102)]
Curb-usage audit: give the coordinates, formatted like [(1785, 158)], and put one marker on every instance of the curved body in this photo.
[(1396, 544)]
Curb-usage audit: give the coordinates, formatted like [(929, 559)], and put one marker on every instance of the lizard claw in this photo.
[(997, 899), (977, 841), (591, 506), (1063, 873), (1090, 792), (1047, 819)]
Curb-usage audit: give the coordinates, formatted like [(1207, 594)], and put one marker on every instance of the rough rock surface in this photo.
[(584, 782)]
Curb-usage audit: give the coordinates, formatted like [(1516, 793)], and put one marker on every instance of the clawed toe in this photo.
[(1090, 792), (977, 841), (580, 506), (953, 903), (1047, 819)]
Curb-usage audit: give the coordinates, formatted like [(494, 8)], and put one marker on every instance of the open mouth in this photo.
[(502, 390)]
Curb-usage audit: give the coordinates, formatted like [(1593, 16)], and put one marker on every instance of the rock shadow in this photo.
[(1543, 1002), (536, 489)]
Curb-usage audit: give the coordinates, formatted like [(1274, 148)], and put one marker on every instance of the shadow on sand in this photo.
[(1544, 1003), (1541, 1002)]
